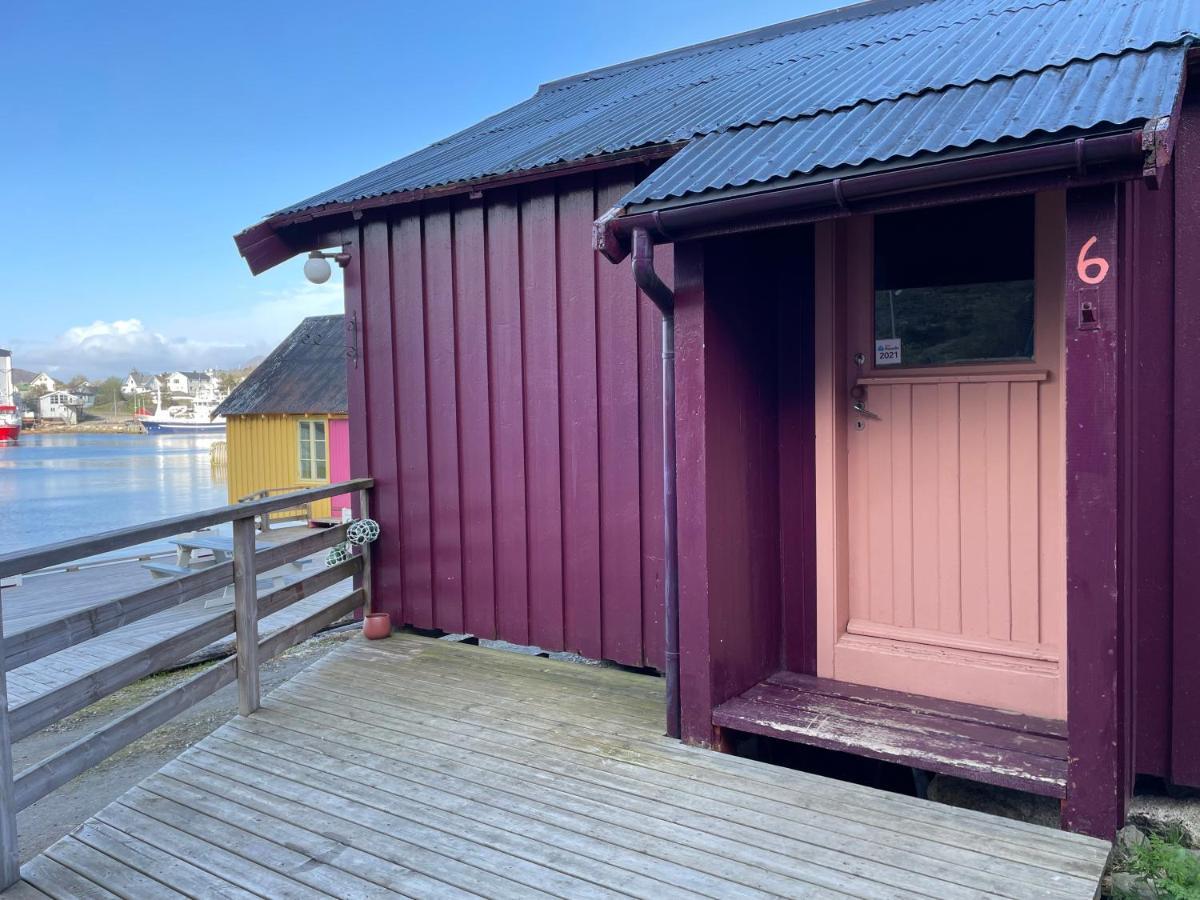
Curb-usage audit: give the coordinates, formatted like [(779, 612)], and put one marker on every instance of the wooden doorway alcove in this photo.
[(750, 478), (750, 472)]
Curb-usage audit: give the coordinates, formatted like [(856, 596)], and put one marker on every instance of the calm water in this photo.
[(59, 486)]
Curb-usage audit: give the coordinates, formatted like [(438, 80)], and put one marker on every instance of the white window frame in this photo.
[(317, 467)]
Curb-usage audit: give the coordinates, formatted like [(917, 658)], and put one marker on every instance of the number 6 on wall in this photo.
[(1091, 270)]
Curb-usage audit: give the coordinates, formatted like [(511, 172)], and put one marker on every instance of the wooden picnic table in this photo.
[(221, 547), (222, 550)]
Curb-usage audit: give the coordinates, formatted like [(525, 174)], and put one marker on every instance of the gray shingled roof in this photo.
[(304, 374), (877, 81)]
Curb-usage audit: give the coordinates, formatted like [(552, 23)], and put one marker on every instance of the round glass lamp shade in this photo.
[(316, 269)]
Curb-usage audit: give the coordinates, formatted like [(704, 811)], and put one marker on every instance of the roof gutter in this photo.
[(1144, 151)]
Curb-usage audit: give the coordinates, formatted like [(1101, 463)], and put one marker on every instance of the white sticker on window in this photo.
[(887, 352)]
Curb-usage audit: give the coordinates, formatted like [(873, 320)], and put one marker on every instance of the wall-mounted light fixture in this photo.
[(316, 267)]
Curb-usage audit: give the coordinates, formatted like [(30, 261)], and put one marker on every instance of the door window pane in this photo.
[(955, 284)]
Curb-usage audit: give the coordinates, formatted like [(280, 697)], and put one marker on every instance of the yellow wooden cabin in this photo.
[(286, 423)]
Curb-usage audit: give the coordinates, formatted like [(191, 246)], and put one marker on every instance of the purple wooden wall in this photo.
[(1163, 230), (744, 413), (1185, 607), (1150, 231), (795, 289), (507, 402)]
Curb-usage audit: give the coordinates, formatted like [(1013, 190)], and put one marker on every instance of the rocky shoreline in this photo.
[(101, 426)]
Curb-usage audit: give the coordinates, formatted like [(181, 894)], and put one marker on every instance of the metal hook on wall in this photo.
[(352, 338)]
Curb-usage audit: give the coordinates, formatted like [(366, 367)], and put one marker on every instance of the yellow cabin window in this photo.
[(314, 453)]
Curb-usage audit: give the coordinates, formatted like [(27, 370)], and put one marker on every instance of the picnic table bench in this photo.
[(221, 548)]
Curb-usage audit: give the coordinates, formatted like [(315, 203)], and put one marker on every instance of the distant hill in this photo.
[(23, 376)]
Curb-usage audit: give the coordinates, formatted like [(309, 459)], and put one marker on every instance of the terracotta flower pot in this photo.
[(376, 626)]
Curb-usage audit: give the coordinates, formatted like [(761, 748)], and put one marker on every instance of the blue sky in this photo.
[(138, 137)]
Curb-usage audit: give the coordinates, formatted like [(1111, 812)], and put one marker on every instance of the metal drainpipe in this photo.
[(653, 287)]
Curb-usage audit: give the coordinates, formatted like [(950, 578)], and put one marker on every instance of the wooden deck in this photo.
[(413, 767)]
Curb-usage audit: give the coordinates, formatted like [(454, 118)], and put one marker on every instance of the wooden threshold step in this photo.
[(973, 742)]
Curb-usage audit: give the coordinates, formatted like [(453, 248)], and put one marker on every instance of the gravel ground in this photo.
[(57, 814)]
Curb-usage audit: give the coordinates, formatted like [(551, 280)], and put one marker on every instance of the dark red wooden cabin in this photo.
[(936, 474)]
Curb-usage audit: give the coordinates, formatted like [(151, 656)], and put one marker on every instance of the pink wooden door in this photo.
[(950, 576), (339, 462)]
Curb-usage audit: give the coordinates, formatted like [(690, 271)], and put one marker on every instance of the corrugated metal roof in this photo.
[(304, 374), (867, 54), (1111, 90)]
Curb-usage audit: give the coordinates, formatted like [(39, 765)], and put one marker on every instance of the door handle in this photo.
[(858, 396), (860, 407)]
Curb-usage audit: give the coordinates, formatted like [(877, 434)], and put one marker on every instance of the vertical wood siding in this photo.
[(373, 325), (1161, 228), (1151, 226), (1185, 612), (728, 352), (511, 392), (954, 470)]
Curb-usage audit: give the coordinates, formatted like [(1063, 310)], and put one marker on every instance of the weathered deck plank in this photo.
[(750, 804), (840, 816), (399, 693), (1013, 751), (56, 880), (416, 768)]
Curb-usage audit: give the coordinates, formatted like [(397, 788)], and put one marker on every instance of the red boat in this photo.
[(10, 416), (10, 424)]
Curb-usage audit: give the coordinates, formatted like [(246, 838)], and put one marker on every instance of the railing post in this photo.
[(10, 869), (364, 512), (245, 614)]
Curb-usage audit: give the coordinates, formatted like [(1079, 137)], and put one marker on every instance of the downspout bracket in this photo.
[(1156, 147)]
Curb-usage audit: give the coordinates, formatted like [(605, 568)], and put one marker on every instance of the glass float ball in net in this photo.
[(362, 532), (338, 554)]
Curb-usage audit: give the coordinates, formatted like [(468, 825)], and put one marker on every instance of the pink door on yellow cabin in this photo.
[(941, 553), (339, 464)]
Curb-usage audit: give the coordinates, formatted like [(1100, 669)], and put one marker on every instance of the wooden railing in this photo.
[(285, 514), (19, 790)]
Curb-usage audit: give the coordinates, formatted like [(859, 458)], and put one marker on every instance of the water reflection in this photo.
[(54, 487)]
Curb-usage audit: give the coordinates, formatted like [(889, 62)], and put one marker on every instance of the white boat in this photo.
[(195, 417)]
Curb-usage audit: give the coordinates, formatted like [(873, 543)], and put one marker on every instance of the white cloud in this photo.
[(267, 321), (223, 339)]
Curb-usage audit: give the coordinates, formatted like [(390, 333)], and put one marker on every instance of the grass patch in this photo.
[(1163, 861)]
